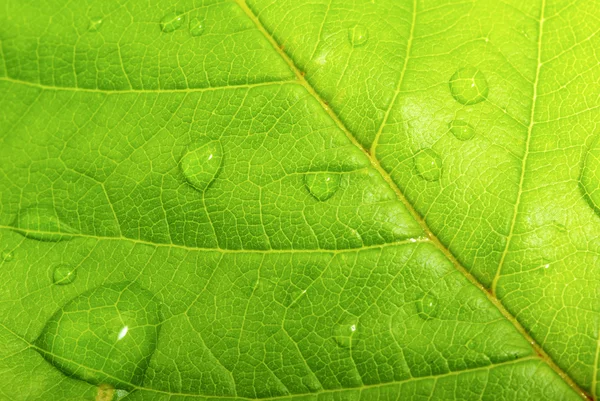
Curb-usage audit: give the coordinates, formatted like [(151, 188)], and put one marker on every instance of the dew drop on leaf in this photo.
[(196, 26), (468, 86), (106, 335), (343, 331), (171, 22), (312, 383), (95, 24), (427, 306), (428, 164), (201, 165), (589, 181), (63, 274), (462, 130), (358, 35), (42, 223), (322, 186), (7, 256)]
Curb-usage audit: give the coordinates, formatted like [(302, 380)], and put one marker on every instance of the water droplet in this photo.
[(42, 223), (104, 336), (63, 274), (476, 344), (196, 26), (589, 181), (312, 383), (201, 165), (428, 164), (462, 130), (7, 256), (358, 35), (468, 86), (171, 22), (427, 307), (342, 332), (95, 24), (322, 185)]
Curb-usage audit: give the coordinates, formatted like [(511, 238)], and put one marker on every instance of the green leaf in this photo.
[(325, 200)]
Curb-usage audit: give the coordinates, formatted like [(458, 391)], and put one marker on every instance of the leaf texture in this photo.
[(328, 200)]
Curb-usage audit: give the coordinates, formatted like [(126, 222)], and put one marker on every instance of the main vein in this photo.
[(386, 176)]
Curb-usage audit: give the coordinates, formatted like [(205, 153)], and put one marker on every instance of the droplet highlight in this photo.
[(42, 223), (63, 274), (7, 256), (196, 26), (343, 332), (462, 130), (469, 86), (589, 180), (427, 307), (171, 22), (428, 164), (358, 35), (322, 186), (106, 335), (95, 24), (201, 165)]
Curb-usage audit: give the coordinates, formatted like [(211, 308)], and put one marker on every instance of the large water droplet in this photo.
[(201, 165), (95, 24), (343, 331), (42, 223), (468, 85), (428, 164), (7, 256), (322, 185), (63, 274), (358, 35), (427, 306), (105, 335), (171, 22), (589, 181), (196, 26), (461, 129)]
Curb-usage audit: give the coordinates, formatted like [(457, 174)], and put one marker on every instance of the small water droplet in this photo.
[(476, 344), (468, 86), (42, 223), (95, 24), (85, 339), (343, 331), (196, 26), (589, 180), (461, 129), (201, 165), (427, 306), (171, 22), (428, 164), (322, 185), (312, 383), (63, 274), (7, 256), (358, 35)]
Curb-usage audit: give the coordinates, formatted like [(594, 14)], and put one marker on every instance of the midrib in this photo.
[(386, 176)]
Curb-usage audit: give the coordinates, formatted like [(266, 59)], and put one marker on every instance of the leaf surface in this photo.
[(374, 200)]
